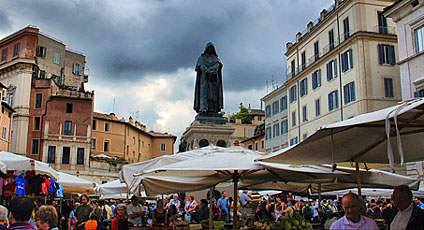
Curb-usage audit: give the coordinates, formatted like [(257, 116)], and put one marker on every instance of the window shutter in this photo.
[(380, 54), (336, 98), (392, 58), (335, 67), (346, 93), (344, 64), (353, 91), (350, 58), (329, 74), (319, 77), (330, 102)]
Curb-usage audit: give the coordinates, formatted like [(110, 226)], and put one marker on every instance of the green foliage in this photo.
[(112, 162), (243, 115), (260, 129)]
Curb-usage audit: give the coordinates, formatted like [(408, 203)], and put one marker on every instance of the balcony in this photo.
[(385, 30), (71, 92)]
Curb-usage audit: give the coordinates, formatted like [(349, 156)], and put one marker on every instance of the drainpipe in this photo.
[(340, 71), (42, 124)]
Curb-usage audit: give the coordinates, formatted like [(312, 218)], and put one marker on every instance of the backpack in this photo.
[(307, 213)]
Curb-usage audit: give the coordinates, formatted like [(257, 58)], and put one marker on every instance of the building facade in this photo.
[(256, 143), (128, 139), (343, 65), (276, 121), (244, 130), (6, 117), (409, 18)]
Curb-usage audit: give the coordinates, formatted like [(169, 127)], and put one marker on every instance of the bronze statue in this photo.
[(208, 95)]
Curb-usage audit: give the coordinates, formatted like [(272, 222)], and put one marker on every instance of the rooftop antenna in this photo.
[(113, 108), (273, 83), (267, 86)]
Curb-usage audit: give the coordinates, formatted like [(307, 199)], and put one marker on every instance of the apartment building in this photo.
[(128, 139), (244, 130), (256, 143), (5, 121), (276, 120), (342, 65), (409, 18)]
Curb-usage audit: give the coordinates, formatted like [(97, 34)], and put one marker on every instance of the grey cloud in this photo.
[(5, 23)]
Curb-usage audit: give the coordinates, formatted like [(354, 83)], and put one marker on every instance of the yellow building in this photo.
[(244, 130), (6, 117), (256, 143), (342, 65), (128, 139)]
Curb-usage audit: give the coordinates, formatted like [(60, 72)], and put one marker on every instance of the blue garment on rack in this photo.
[(59, 192), (20, 186)]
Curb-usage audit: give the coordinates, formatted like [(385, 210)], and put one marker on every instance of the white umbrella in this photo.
[(111, 188), (3, 167), (372, 192), (18, 162), (74, 184)]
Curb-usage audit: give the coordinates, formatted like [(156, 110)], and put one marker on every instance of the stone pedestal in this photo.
[(199, 134)]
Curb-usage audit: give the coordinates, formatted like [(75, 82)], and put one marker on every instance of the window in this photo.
[(106, 127), (275, 107), (106, 146), (419, 93), (162, 147), (303, 60), (386, 54), (93, 144), (332, 70), (249, 147), (38, 100), (41, 51), (3, 55), (51, 155), (268, 111), (293, 94), (347, 60), (56, 58), (68, 107), (333, 100), (316, 50), (268, 133), (346, 30), (80, 156), (331, 39), (349, 92), (34, 146), (262, 144), (316, 79), (94, 124), (284, 126), (10, 101), (37, 123), (4, 133), (294, 119), (42, 74), (382, 23), (276, 130), (317, 107), (293, 141), (68, 128), (133, 140), (293, 68), (419, 39), (16, 50), (256, 145), (66, 155), (303, 87), (305, 135), (388, 87), (59, 79), (283, 103), (77, 69), (304, 114)]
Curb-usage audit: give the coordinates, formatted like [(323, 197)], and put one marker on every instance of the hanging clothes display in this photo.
[(20, 185)]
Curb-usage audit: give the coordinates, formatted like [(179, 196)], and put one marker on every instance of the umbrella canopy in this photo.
[(18, 162), (364, 138), (372, 192), (111, 188), (74, 184), (3, 167)]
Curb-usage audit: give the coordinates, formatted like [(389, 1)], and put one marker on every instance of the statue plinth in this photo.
[(210, 118)]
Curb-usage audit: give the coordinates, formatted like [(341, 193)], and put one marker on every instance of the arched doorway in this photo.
[(203, 143), (221, 143)]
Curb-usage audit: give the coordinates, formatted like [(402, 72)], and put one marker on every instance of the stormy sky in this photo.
[(141, 54)]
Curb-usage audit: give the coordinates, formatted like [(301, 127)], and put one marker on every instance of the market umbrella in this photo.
[(372, 192), (74, 184), (18, 162), (111, 188), (3, 167)]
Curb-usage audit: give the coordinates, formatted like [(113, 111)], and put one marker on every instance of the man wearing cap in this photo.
[(408, 216), (135, 211)]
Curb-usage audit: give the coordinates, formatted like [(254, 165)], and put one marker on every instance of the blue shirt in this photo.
[(59, 192), (224, 204), (20, 186), (51, 186)]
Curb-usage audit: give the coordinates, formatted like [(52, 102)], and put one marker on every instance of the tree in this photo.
[(243, 115)]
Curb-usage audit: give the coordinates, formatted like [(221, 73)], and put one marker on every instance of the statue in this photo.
[(208, 95)]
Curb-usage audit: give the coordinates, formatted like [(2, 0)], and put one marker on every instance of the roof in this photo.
[(257, 112), (156, 134), (252, 138), (3, 85), (7, 106), (391, 6)]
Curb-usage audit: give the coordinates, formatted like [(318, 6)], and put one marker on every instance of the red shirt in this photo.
[(119, 221)]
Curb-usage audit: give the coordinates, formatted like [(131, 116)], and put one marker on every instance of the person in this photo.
[(46, 218), (3, 218), (106, 210), (20, 211), (135, 211), (208, 96), (203, 212), (94, 223), (159, 216), (59, 214), (238, 208), (307, 211), (289, 210), (244, 198), (262, 213), (83, 211), (388, 212), (172, 214), (419, 203), (113, 206), (223, 204), (72, 219), (120, 221), (408, 216), (353, 219), (175, 201), (190, 207)]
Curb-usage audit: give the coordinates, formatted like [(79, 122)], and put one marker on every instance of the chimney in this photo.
[(336, 3), (298, 36), (130, 120), (323, 14), (137, 124), (288, 45), (310, 26)]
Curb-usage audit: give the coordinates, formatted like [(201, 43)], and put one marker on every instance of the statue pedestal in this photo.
[(201, 134)]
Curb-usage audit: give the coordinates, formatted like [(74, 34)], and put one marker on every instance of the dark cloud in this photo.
[(5, 23), (130, 40)]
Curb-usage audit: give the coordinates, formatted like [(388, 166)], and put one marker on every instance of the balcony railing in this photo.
[(385, 30)]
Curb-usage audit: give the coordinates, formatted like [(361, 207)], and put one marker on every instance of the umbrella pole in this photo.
[(358, 179), (235, 177), (210, 208), (319, 194)]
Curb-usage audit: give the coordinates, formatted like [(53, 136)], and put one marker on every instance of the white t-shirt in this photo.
[(402, 218), (133, 209)]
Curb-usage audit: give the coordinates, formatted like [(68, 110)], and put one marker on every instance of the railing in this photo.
[(385, 30)]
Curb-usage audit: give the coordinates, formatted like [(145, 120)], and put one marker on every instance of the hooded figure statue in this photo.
[(208, 95)]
